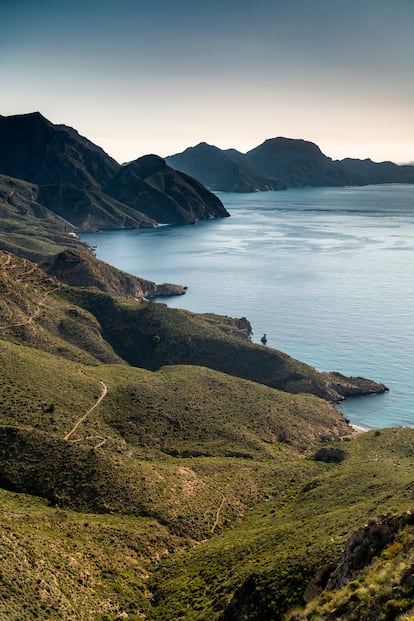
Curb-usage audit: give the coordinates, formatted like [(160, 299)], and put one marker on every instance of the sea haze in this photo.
[(327, 273)]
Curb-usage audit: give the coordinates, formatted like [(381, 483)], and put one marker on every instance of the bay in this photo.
[(326, 273)]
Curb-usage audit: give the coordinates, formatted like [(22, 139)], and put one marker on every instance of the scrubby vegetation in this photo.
[(151, 467), (262, 567)]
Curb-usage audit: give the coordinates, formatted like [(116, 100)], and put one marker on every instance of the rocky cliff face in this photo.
[(362, 546)]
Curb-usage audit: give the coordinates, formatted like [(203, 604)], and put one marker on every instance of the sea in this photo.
[(326, 273)]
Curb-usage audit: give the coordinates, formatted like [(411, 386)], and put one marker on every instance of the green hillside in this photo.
[(376, 583), (64, 565), (152, 335), (262, 568), (136, 448), (152, 468)]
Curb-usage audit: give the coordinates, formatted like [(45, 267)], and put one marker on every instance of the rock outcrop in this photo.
[(81, 269), (359, 550)]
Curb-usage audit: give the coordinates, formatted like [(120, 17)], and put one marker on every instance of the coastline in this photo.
[(358, 429)]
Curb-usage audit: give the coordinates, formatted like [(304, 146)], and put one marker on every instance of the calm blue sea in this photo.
[(327, 273)]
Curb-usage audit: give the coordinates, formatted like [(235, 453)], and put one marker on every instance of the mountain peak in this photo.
[(147, 165), (204, 145), (36, 150), (290, 145), (26, 118)]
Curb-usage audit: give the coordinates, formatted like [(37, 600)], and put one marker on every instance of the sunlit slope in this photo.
[(116, 438), (262, 568), (64, 566), (85, 324), (119, 415), (372, 579)]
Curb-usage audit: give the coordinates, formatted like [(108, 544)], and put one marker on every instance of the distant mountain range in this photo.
[(79, 182), (279, 163)]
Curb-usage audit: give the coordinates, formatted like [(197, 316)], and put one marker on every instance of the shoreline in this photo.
[(358, 429)]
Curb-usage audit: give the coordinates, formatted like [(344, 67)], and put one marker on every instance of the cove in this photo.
[(327, 273)]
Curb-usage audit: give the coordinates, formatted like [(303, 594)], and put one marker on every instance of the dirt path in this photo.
[(216, 522), (7, 261), (34, 315), (85, 416), (196, 478)]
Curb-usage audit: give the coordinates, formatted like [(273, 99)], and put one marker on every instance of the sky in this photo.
[(157, 76)]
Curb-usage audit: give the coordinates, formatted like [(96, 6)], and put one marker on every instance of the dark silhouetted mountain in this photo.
[(296, 162), (165, 194), (282, 162), (34, 149), (367, 171), (72, 172), (226, 171)]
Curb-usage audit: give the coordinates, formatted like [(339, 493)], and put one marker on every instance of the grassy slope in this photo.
[(147, 421), (259, 569), (208, 455), (64, 565)]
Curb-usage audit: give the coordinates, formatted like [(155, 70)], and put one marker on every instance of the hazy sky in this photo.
[(156, 76)]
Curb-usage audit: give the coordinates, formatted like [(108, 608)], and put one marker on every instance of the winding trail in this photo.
[(24, 270), (34, 315), (7, 261), (224, 499), (5, 264), (216, 521), (85, 416)]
